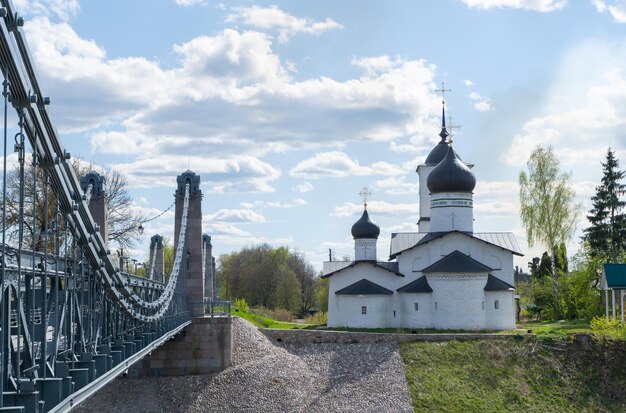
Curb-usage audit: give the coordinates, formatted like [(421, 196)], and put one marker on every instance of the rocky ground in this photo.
[(324, 377)]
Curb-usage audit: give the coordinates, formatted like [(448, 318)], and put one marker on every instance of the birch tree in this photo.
[(547, 208)]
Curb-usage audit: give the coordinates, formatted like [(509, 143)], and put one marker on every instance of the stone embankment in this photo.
[(274, 376)]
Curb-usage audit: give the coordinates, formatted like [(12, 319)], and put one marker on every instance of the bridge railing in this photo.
[(69, 322), (216, 307)]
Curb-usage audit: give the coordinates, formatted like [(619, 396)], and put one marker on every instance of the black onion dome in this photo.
[(364, 228), (451, 175), (438, 153)]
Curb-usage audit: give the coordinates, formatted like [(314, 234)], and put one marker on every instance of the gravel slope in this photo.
[(266, 378)]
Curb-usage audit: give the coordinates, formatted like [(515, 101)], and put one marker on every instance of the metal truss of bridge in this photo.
[(70, 320)]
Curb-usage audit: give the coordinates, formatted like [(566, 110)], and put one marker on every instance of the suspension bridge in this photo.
[(71, 320)]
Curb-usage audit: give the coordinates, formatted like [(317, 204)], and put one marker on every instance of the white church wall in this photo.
[(342, 308), (502, 317), (506, 272), (413, 316), (415, 261), (350, 311), (457, 301), (451, 211)]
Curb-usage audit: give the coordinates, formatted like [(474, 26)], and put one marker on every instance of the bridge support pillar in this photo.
[(97, 202), (203, 347), (156, 253), (193, 257), (209, 274)]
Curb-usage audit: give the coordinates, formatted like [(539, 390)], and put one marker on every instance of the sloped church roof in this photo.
[(364, 287), (456, 262)]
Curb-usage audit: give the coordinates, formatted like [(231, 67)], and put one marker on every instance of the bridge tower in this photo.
[(194, 281), (209, 274), (97, 202), (156, 254)]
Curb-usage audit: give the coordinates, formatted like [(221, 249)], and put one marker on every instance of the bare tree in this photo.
[(123, 220)]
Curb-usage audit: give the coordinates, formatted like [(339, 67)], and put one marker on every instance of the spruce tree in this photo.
[(607, 234)]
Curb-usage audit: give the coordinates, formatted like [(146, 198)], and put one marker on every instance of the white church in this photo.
[(445, 276)]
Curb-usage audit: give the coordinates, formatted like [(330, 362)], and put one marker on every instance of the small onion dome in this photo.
[(451, 175), (364, 228)]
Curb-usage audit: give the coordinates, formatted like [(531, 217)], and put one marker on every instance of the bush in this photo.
[(279, 314), (320, 318), (612, 328), (241, 304)]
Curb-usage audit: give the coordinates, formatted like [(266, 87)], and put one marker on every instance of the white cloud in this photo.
[(616, 8), (483, 106), (273, 18), (378, 64), (404, 227), (223, 230), (585, 189), (504, 189), (534, 5), (274, 204), (228, 94), (303, 187), (402, 148), (481, 103), (62, 9), (187, 3), (468, 83), (586, 111), (338, 164), (235, 215), (375, 208), (397, 185), (241, 174)]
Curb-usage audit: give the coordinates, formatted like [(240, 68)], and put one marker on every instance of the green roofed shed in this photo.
[(614, 278)]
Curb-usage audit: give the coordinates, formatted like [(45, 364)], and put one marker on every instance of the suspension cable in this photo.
[(5, 94)]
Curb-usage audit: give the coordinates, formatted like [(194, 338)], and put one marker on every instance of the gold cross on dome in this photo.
[(365, 194), (451, 126)]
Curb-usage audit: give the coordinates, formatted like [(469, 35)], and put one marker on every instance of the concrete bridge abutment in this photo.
[(203, 347)]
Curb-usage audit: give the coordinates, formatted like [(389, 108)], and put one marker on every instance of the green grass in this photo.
[(514, 375), (557, 330), (415, 330), (265, 322), (553, 330)]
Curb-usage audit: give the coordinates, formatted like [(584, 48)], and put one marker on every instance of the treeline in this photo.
[(271, 277)]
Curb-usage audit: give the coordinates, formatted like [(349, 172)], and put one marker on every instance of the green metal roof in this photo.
[(615, 275)]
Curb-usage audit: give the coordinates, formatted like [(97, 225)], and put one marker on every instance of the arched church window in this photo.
[(496, 304)]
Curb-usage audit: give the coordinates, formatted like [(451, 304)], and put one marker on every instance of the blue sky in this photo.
[(287, 109)]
